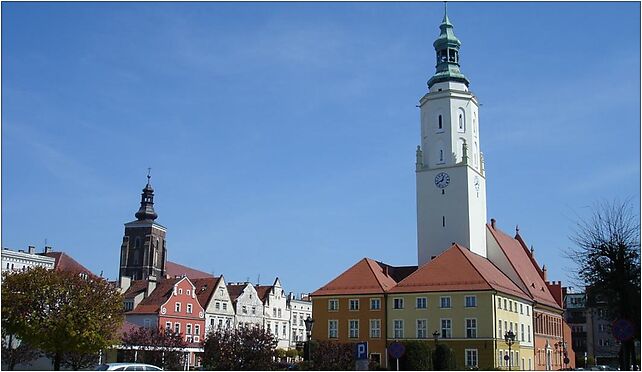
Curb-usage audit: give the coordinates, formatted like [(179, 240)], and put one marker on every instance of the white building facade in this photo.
[(21, 260), (248, 306), (300, 310), (277, 314)]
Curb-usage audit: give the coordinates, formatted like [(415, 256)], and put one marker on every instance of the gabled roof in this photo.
[(364, 277), (152, 303), (263, 291), (136, 287), (235, 290), (458, 269), (172, 269), (64, 262), (524, 265), (205, 288)]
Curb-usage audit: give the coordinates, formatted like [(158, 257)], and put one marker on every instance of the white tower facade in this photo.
[(451, 185)]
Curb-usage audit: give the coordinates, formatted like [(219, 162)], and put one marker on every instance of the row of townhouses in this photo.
[(166, 295)]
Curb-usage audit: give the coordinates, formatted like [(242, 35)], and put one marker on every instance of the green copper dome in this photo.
[(447, 48)]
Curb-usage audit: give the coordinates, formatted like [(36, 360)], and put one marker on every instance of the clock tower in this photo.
[(451, 184)]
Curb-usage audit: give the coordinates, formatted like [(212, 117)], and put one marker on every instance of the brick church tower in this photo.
[(143, 252)]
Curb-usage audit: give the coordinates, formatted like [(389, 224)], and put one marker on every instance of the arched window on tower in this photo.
[(475, 153), (441, 124), (461, 127)]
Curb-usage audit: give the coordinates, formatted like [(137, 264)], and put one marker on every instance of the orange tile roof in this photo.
[(205, 288), (263, 291), (152, 303), (364, 277), (525, 266), (458, 269), (64, 262), (172, 269)]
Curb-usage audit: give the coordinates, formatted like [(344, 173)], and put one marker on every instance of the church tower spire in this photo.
[(451, 184), (146, 210), (447, 48)]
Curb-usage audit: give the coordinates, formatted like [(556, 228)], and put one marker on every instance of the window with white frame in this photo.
[(422, 328), (217, 305), (294, 318), (471, 328), (528, 310), (177, 307), (446, 328), (180, 291), (224, 305), (244, 309), (333, 328), (188, 292), (375, 304), (444, 302), (375, 328), (285, 328), (471, 358), (522, 332), (276, 328), (253, 310), (177, 327), (505, 328), (188, 329), (422, 302), (274, 312), (168, 326), (353, 304), (505, 305), (333, 305), (280, 313), (500, 334), (397, 303), (471, 301), (521, 308), (499, 302), (529, 333), (189, 308), (500, 358), (353, 328), (398, 328)]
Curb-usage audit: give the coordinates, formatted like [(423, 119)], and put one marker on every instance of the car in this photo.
[(127, 367)]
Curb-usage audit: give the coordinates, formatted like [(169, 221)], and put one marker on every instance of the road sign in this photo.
[(362, 350), (506, 357), (623, 330), (567, 361), (396, 350)]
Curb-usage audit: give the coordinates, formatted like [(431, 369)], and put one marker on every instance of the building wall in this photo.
[(277, 315), (16, 260), (548, 338), (300, 310), (514, 313), (219, 312), (343, 314), (184, 294), (248, 308)]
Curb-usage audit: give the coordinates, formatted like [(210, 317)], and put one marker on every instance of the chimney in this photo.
[(544, 273), (385, 270), (48, 249), (31, 249), (124, 283), (151, 285), (492, 223)]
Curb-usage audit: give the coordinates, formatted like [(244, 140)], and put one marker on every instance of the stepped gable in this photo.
[(458, 269), (135, 288), (364, 277), (64, 262), (205, 288), (524, 265), (172, 270), (152, 303)]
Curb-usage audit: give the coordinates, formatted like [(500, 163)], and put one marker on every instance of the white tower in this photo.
[(451, 186)]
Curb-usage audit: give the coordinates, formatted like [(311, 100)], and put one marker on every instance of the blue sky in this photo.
[(281, 136)]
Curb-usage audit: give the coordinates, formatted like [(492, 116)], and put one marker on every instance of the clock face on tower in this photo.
[(442, 180)]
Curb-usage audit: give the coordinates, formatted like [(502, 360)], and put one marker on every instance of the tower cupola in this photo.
[(146, 210), (447, 49)]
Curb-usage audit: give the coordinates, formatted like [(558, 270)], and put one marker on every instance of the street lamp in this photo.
[(309, 322), (435, 336), (561, 346), (509, 337)]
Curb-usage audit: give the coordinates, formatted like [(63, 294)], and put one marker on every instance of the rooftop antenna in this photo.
[(258, 279)]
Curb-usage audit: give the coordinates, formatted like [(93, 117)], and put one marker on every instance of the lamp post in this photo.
[(435, 336), (309, 322), (509, 337)]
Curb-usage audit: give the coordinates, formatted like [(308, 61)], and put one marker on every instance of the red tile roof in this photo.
[(136, 287), (263, 291), (152, 303), (458, 269), (525, 266), (205, 288), (235, 290), (366, 276), (172, 269), (64, 262)]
